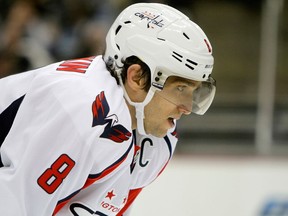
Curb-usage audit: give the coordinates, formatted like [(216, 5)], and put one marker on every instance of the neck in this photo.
[(132, 115)]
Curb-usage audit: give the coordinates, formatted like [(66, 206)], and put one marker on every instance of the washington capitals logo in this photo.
[(152, 19), (115, 132)]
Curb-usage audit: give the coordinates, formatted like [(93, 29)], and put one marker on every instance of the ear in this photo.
[(134, 80), (134, 83)]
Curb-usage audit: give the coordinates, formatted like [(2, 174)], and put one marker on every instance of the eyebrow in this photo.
[(188, 82)]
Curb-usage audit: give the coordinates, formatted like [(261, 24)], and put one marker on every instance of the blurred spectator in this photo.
[(38, 32)]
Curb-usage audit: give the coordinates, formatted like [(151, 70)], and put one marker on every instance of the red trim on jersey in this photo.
[(163, 168), (131, 197), (76, 65), (59, 206)]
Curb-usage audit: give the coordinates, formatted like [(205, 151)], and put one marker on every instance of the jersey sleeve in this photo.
[(51, 148), (42, 154)]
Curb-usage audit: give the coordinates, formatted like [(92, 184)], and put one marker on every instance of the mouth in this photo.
[(171, 121)]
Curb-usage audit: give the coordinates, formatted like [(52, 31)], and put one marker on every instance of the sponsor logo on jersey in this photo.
[(107, 203), (79, 209), (110, 207), (115, 132), (152, 19), (106, 206)]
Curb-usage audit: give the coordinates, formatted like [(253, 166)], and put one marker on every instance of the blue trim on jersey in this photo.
[(133, 162), (7, 118), (68, 197), (134, 136), (92, 176), (169, 145)]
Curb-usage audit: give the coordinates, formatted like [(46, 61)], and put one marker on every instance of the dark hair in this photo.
[(146, 73)]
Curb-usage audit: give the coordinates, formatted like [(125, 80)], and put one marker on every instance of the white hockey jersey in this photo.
[(67, 147)]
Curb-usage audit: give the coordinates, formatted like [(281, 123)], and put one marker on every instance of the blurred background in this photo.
[(250, 112), (242, 139)]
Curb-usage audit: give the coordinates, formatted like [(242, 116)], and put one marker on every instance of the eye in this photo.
[(181, 88)]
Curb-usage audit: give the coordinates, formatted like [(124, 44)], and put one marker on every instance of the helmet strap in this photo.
[(139, 106)]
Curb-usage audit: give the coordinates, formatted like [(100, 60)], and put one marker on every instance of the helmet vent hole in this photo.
[(161, 39), (191, 62), (118, 29), (204, 75), (177, 56), (127, 22), (189, 66), (185, 35), (118, 46)]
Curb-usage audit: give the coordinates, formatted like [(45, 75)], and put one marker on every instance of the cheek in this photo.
[(158, 108)]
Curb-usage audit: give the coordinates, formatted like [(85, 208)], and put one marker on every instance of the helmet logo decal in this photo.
[(151, 19)]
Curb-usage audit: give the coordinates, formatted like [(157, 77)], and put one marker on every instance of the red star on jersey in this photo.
[(110, 195)]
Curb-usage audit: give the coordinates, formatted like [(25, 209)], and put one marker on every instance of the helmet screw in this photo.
[(159, 73), (116, 56), (157, 79)]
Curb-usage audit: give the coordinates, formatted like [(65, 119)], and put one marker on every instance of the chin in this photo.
[(159, 130), (159, 134)]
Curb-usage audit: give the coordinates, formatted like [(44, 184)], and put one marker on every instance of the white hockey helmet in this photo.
[(169, 43)]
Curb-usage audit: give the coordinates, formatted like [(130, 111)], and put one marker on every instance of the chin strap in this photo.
[(139, 107)]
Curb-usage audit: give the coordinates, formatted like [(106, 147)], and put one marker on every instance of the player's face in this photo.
[(169, 105)]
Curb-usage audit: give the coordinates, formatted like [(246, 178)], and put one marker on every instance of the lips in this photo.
[(171, 122)]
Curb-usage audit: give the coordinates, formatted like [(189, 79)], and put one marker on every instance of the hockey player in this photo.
[(84, 136)]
